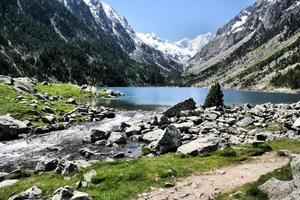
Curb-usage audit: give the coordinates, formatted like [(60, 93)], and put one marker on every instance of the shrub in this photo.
[(214, 97)]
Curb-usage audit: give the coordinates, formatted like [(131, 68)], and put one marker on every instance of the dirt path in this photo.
[(219, 181)]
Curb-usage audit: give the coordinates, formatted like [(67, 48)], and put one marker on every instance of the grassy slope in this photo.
[(25, 111), (124, 179), (250, 191)]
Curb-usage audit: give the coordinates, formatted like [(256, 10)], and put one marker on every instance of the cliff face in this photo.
[(249, 51)]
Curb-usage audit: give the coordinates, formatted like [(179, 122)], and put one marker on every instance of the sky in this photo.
[(177, 19)]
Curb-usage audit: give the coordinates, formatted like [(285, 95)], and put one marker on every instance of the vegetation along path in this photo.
[(219, 181)]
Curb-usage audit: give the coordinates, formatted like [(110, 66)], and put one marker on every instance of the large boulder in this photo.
[(169, 141), (188, 104), (65, 167), (10, 128), (199, 146), (31, 193), (276, 189), (80, 196)]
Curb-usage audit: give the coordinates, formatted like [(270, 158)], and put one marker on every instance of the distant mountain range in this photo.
[(180, 51), (87, 41), (258, 49)]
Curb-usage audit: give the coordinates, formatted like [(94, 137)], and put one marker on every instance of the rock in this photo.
[(31, 193), (50, 119), (169, 185), (188, 104), (6, 183), (264, 136), (89, 175), (184, 126), (124, 125), (133, 130), (63, 193), (295, 195), (247, 121), (295, 165), (6, 80), (117, 137), (47, 109), (71, 101), (119, 155), (80, 196), (276, 189), (14, 174), (109, 115), (86, 153), (3, 174), (162, 120), (46, 166), (198, 146), (169, 141), (296, 124), (153, 135), (81, 183), (10, 128), (24, 84), (97, 135), (66, 167), (45, 83)]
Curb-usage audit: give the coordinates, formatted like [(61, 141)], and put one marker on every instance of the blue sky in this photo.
[(176, 19)]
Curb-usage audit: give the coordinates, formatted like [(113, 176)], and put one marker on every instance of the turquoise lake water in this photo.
[(150, 97)]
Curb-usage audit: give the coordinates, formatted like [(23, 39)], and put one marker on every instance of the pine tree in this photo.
[(214, 97)]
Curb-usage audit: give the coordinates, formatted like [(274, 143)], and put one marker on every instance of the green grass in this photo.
[(124, 179), (67, 90), (250, 191), (64, 90)]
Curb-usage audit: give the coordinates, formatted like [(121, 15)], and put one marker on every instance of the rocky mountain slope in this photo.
[(253, 50), (79, 41), (180, 51)]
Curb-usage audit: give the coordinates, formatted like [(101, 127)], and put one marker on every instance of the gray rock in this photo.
[(162, 120), (24, 84), (63, 193), (80, 196), (31, 193), (66, 167), (3, 175), (46, 166), (198, 146), (295, 195), (97, 135), (276, 189), (184, 126), (153, 135), (169, 141), (295, 165), (6, 80), (117, 137), (296, 124), (133, 130), (71, 101), (119, 155), (10, 128), (50, 119), (247, 121), (264, 136), (47, 109), (188, 104), (86, 153), (89, 175), (7, 183)]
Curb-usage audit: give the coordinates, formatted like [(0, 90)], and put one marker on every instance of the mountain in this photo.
[(118, 27), (258, 46), (78, 41), (180, 51)]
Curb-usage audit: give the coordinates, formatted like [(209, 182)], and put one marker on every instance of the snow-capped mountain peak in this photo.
[(180, 51)]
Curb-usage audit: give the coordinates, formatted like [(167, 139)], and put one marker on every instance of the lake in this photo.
[(148, 98)]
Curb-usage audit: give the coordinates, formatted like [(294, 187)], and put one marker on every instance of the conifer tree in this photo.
[(214, 97)]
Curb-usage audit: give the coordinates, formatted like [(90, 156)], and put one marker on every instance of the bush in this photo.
[(214, 97)]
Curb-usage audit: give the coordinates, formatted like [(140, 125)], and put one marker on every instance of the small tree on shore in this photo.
[(214, 97)]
